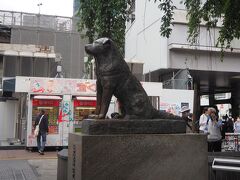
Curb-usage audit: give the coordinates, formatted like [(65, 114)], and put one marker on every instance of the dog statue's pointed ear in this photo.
[(106, 41)]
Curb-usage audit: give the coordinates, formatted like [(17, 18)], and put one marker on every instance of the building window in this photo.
[(222, 96)]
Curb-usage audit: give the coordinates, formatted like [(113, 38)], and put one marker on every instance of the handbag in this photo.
[(36, 130)]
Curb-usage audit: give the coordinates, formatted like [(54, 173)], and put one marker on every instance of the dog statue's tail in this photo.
[(164, 115)]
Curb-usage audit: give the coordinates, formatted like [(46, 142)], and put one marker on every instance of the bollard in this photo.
[(62, 167)]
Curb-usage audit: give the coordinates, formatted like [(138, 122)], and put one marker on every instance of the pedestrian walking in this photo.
[(42, 121)]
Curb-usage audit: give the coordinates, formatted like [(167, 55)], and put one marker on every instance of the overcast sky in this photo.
[(50, 7)]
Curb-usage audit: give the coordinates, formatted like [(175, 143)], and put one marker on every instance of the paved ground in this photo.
[(46, 169), (25, 165), (23, 154)]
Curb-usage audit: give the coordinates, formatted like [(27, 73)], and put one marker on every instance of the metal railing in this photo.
[(177, 84), (58, 23), (221, 164), (223, 168)]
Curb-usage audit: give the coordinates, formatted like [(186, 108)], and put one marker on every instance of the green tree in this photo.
[(103, 18), (209, 12)]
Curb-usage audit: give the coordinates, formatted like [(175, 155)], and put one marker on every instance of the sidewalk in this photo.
[(26, 165), (25, 155)]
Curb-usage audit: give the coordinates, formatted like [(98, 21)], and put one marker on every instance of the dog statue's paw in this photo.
[(101, 116), (95, 116)]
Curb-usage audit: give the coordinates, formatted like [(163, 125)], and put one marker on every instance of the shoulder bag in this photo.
[(36, 130)]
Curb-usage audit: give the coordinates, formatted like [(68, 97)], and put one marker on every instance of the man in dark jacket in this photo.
[(43, 130)]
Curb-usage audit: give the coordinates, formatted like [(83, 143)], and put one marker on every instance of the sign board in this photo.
[(37, 85)]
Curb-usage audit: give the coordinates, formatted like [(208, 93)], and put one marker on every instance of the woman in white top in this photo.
[(203, 121)]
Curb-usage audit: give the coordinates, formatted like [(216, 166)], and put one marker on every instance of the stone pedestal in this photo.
[(135, 126), (137, 157)]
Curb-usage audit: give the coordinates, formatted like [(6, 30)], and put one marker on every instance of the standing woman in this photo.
[(237, 125), (214, 131), (204, 118), (42, 121)]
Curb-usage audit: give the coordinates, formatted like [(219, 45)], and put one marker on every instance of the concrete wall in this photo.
[(69, 44), (205, 60), (8, 116), (144, 43)]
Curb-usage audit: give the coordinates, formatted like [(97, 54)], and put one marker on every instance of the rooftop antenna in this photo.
[(39, 7)]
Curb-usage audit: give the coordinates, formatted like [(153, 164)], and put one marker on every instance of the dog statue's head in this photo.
[(99, 46)]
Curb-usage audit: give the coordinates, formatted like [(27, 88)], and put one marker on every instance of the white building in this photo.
[(164, 57)]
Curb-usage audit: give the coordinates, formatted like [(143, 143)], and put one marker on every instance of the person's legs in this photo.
[(39, 141), (217, 146), (44, 139), (210, 146)]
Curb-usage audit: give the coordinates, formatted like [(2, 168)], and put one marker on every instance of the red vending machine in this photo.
[(51, 106), (83, 106)]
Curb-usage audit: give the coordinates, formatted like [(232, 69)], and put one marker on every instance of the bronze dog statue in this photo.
[(115, 78)]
